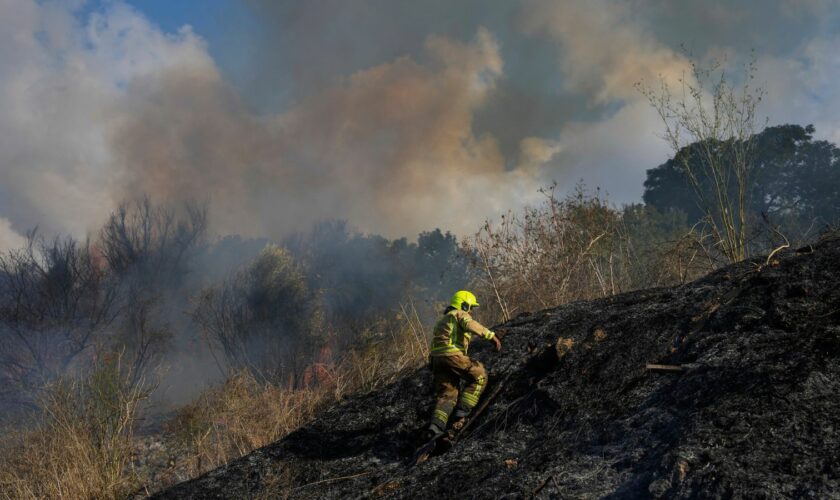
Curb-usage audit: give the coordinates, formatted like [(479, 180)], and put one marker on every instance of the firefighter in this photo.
[(450, 364)]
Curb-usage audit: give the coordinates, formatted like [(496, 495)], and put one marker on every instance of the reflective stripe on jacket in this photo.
[(453, 332)]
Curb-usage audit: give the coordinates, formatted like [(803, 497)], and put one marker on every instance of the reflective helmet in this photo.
[(463, 300)]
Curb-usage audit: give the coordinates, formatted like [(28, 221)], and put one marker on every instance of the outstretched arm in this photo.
[(473, 326)]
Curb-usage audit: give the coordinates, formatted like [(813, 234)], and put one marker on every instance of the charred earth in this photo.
[(752, 412)]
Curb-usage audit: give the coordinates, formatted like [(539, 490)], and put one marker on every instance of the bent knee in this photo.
[(478, 371), (447, 392)]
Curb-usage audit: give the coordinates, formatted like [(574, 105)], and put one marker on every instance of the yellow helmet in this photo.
[(463, 300)]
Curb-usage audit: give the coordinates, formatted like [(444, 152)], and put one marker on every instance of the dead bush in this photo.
[(579, 248), (81, 446), (238, 417), (382, 356), (55, 303), (262, 317)]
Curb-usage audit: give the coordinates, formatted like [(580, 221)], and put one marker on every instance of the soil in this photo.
[(753, 411)]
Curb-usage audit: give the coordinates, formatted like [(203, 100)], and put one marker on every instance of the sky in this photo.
[(397, 116)]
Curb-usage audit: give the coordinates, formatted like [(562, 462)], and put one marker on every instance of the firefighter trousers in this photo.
[(448, 372)]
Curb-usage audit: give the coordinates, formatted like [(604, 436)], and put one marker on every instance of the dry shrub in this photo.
[(579, 248), (710, 125), (560, 251), (81, 447), (263, 318), (238, 417), (55, 304), (381, 359)]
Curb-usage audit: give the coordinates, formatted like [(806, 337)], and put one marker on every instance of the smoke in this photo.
[(390, 147), (9, 239), (109, 107), (398, 117), (61, 87), (184, 134), (810, 84), (605, 48)]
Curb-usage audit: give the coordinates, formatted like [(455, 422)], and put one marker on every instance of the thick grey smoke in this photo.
[(399, 117), (115, 108), (603, 51), (390, 147), (8, 237), (61, 88)]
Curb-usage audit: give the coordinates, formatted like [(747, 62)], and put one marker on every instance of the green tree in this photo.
[(263, 318), (796, 181)]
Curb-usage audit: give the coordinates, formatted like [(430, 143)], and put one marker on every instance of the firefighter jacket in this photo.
[(453, 332)]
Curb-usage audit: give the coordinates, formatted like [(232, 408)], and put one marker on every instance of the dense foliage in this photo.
[(795, 181)]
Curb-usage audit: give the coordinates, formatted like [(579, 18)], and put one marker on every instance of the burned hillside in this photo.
[(752, 411)]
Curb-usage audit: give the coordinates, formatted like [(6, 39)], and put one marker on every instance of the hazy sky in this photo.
[(398, 116)]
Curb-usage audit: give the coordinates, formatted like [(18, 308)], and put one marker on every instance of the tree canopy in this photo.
[(794, 178)]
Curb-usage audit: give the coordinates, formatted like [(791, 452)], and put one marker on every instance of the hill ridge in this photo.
[(753, 414)]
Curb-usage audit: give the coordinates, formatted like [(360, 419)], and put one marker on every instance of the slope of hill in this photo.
[(753, 413)]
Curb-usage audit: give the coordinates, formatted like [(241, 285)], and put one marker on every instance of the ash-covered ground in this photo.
[(755, 412)]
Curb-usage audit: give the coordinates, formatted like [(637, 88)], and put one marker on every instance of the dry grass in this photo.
[(382, 361), (580, 248), (240, 416), (81, 445), (243, 414)]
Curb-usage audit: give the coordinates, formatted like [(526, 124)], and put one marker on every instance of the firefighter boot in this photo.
[(459, 419), (430, 433)]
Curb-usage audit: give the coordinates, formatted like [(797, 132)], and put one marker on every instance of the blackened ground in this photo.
[(755, 413)]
